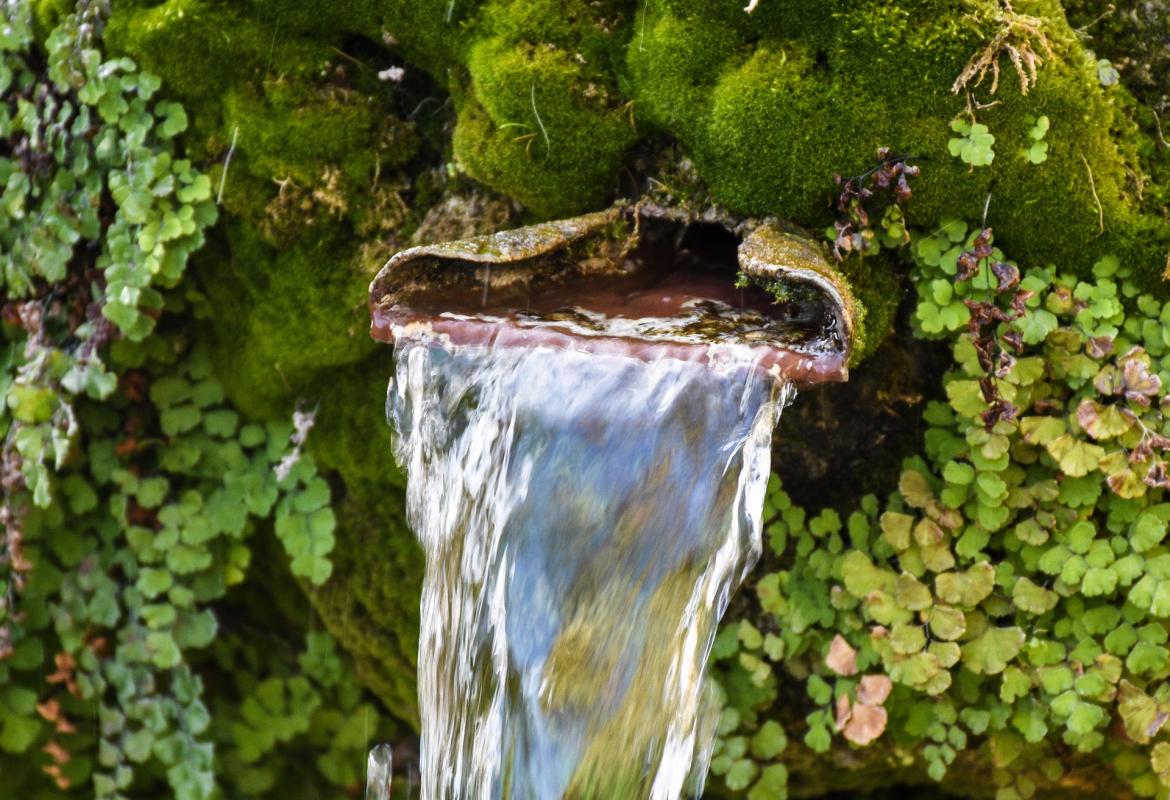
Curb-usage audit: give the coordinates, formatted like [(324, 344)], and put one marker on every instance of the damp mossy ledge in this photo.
[(335, 134)]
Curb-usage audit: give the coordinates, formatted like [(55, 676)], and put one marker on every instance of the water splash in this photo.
[(379, 771), (586, 518)]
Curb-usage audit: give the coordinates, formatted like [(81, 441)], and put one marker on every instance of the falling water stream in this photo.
[(587, 486), (585, 520)]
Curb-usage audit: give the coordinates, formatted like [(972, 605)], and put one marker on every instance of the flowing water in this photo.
[(379, 771), (586, 518)]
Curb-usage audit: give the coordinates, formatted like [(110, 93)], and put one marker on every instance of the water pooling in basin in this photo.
[(588, 497)]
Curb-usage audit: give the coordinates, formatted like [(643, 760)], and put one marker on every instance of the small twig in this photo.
[(1139, 186), (283, 378), (951, 224), (1158, 125), (642, 28), (347, 56), (528, 139), (1110, 10), (539, 122), (226, 163), (1096, 199), (271, 47), (283, 184), (421, 103), (974, 105)]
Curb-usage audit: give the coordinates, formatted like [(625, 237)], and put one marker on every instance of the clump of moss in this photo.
[(877, 286), (282, 316), (201, 46), (432, 35), (543, 120), (313, 153)]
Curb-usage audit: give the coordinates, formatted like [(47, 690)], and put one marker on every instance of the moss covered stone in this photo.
[(543, 120), (799, 95), (771, 105)]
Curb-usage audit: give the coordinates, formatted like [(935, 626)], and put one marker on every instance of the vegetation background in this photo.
[(211, 590)]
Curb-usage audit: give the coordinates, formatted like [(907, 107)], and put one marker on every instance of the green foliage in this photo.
[(1016, 587), (83, 131), (133, 490), (973, 145), (330, 172), (1037, 150)]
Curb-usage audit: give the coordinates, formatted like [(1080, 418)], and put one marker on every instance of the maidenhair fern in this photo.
[(132, 488), (1015, 589)]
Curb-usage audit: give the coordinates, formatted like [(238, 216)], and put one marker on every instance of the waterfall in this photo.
[(586, 517)]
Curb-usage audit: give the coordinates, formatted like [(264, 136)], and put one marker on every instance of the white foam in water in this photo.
[(585, 520)]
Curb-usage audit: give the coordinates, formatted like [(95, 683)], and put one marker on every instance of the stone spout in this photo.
[(636, 280)]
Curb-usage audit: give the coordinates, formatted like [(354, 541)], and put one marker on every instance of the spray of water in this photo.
[(586, 518), (379, 770)]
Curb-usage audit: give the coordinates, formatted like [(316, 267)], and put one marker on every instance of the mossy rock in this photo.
[(799, 96), (773, 104)]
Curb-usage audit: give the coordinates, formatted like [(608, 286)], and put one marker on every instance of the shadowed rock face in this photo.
[(636, 281)]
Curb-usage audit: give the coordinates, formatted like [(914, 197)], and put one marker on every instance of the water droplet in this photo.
[(379, 769)]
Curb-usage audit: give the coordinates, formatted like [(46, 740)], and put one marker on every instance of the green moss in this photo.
[(779, 116), (201, 46), (312, 18), (281, 316), (541, 125), (431, 34), (878, 290), (371, 605), (759, 150), (296, 130), (308, 154)]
